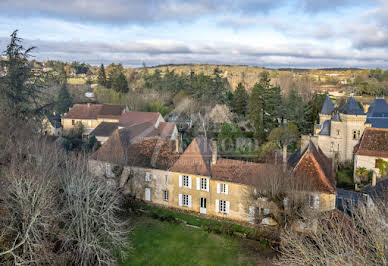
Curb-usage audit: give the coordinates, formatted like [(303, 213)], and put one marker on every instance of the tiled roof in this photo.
[(104, 129), (327, 107), (94, 111), (196, 159), (325, 131), (148, 153), (138, 131), (374, 142), (111, 111), (131, 118), (84, 111), (166, 129), (240, 172), (314, 168), (351, 107)]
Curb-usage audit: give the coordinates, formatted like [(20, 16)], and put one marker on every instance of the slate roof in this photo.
[(378, 113), (104, 129), (351, 107), (55, 120), (94, 111), (327, 107), (326, 126), (374, 142), (380, 191), (131, 118), (314, 168)]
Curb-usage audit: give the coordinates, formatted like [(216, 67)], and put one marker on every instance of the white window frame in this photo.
[(204, 184), (223, 207), (186, 181), (89, 123), (165, 195), (186, 200), (223, 188), (147, 176)]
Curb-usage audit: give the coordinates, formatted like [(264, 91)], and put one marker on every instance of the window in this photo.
[(223, 207), (165, 194), (89, 123), (354, 134), (338, 132), (358, 134), (148, 177), (203, 203), (186, 181), (186, 200), (108, 169), (72, 122), (223, 188), (203, 184)]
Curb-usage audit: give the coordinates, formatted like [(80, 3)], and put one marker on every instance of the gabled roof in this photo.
[(111, 111), (196, 159), (351, 107), (131, 118), (94, 111), (84, 111), (378, 113), (314, 168), (138, 131), (327, 107), (151, 152), (166, 129), (325, 131), (374, 142), (54, 120), (104, 129)]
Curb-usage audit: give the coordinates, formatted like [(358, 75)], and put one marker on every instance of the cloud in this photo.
[(154, 52), (133, 11)]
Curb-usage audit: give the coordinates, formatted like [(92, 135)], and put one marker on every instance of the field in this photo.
[(76, 81), (163, 243)]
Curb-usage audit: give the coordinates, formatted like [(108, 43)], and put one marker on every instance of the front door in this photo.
[(147, 194), (203, 206)]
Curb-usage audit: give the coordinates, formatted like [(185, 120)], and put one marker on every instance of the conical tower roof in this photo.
[(327, 107), (351, 107)]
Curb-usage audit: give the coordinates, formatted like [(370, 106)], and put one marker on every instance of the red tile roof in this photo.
[(84, 111), (166, 129), (94, 111), (196, 159), (131, 118), (374, 142)]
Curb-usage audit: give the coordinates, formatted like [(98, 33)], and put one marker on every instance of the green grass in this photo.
[(76, 81), (161, 243), (345, 178)]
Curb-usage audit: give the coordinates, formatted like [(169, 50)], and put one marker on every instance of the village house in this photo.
[(373, 148), (51, 125), (339, 131), (155, 170), (91, 115)]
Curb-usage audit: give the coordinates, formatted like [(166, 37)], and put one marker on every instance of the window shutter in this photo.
[(218, 188), (316, 201), (180, 180), (180, 199), (226, 188), (207, 184), (189, 201), (227, 207), (198, 183), (190, 182), (217, 205)]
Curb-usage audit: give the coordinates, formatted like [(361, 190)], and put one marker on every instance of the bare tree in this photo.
[(360, 239)]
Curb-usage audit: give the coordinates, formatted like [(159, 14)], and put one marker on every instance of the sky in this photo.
[(269, 33)]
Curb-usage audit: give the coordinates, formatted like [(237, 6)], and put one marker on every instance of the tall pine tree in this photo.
[(240, 100), (64, 100), (119, 82), (256, 110), (101, 77)]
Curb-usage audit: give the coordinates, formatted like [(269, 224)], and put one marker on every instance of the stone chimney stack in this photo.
[(214, 152), (374, 179)]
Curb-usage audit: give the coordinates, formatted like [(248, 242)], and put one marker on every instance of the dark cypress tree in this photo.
[(240, 100), (119, 82), (101, 78), (64, 100), (256, 110)]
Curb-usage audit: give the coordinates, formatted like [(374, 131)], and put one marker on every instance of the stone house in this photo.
[(91, 115), (372, 148), (339, 131), (51, 125)]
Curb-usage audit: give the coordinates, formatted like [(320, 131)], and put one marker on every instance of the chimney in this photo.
[(284, 157), (214, 152), (177, 143), (374, 179)]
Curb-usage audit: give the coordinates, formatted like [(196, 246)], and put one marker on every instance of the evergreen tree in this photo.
[(256, 110), (240, 100), (119, 82), (101, 77), (64, 100), (19, 88)]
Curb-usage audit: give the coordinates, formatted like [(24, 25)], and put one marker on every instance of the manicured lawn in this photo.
[(76, 80), (162, 243)]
